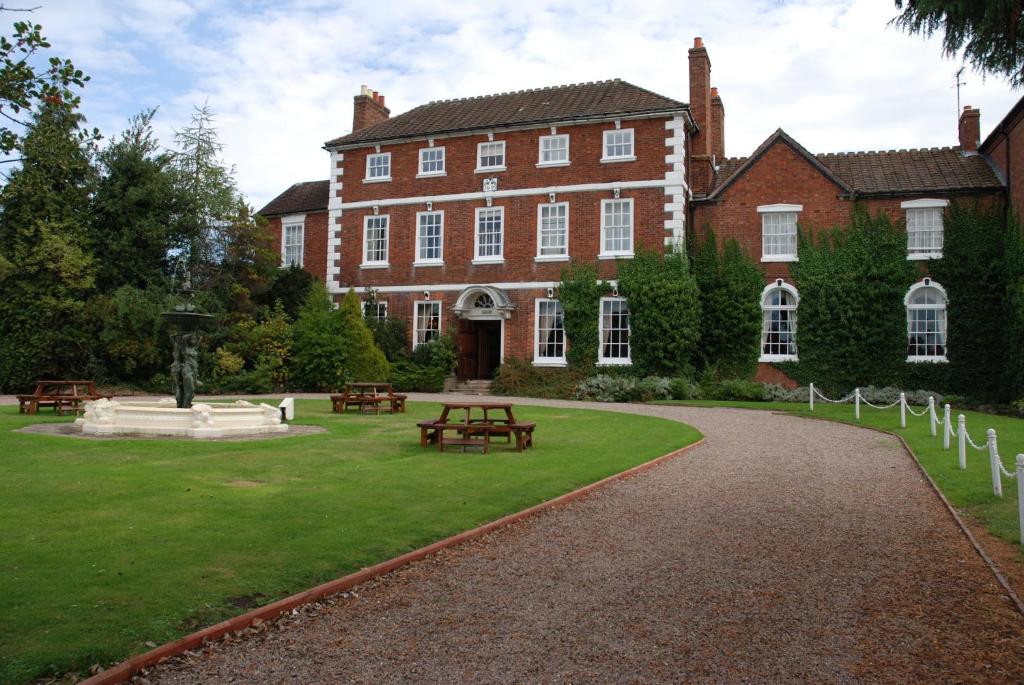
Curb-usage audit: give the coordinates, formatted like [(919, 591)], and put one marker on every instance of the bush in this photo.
[(520, 378), (683, 388), (407, 376), (733, 390), (318, 363), (777, 393), (291, 288), (603, 388), (439, 353), (363, 359)]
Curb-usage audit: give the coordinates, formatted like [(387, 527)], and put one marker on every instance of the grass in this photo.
[(110, 544), (970, 491)]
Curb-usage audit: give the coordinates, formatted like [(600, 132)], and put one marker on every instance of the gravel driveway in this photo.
[(783, 550)]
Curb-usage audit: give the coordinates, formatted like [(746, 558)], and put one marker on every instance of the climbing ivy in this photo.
[(664, 312), (580, 293)]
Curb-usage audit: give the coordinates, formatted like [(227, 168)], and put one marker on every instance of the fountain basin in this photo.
[(163, 418)]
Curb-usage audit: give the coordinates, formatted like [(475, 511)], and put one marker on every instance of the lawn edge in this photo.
[(964, 528), (125, 670)]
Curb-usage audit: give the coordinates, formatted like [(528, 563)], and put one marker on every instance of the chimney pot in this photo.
[(368, 109), (714, 91), (381, 101), (698, 42)]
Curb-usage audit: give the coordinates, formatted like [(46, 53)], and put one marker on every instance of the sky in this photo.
[(280, 76)]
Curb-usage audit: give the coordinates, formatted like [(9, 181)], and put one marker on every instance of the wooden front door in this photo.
[(479, 348)]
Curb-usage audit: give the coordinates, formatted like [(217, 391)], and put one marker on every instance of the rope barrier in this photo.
[(923, 411), (875, 406), (845, 399), (980, 448)]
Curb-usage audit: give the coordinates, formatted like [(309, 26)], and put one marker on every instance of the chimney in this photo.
[(368, 109), (970, 130), (700, 109), (717, 126)]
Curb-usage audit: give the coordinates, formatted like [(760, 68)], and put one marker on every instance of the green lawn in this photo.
[(109, 544), (969, 491)]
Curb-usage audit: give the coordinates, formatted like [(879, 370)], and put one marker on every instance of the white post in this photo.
[(931, 413), (961, 433), (810, 395), (856, 403), (993, 458), (1020, 495), (946, 428), (903, 410)]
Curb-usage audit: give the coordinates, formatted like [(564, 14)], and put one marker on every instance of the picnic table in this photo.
[(61, 395), (367, 397), (474, 423)]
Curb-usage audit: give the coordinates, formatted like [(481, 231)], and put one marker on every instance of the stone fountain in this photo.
[(179, 416)]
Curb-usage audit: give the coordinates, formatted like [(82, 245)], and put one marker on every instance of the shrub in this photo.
[(318, 363), (407, 376), (363, 359), (291, 288), (683, 388), (227, 363), (520, 378), (777, 393), (733, 390), (439, 353), (603, 388), (664, 312)]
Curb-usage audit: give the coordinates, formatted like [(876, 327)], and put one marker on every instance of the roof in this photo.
[(524, 107), (884, 172), (1003, 127), (309, 196)]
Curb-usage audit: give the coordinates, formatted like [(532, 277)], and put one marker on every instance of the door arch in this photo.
[(480, 338)]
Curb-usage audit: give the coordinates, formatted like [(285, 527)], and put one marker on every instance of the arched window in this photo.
[(926, 322), (778, 332)]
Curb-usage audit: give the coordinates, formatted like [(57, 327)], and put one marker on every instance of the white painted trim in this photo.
[(457, 287), (788, 287), (925, 283), (381, 179), (492, 259), (615, 361), (779, 284), (613, 254), (377, 179), (420, 173), (440, 318), (417, 260), (437, 174), (333, 221), (367, 264), (546, 361), (504, 157), (780, 258), (614, 160), (515, 192), (540, 151), (922, 256), (771, 358), (762, 209), (924, 203), (552, 258), (618, 158), (547, 165), (292, 220), (918, 359)]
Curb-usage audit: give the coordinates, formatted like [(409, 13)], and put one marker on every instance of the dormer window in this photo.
[(490, 156), (378, 167)]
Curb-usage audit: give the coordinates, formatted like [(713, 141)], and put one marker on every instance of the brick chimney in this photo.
[(717, 126), (970, 130), (368, 109), (701, 169)]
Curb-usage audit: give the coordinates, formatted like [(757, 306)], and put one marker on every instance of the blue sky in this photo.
[(281, 75)]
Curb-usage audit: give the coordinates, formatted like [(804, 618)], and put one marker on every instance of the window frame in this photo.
[(291, 222), (491, 259), (377, 179), (943, 309), (606, 158), (937, 205), (420, 173), (504, 156), (774, 210), (416, 321), (564, 256), (614, 361), (376, 264), (377, 315), (779, 284), (540, 151), (538, 360), (618, 254), (419, 260)]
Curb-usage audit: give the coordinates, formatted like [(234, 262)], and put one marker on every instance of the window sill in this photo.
[(434, 263), (550, 363), (383, 179), (921, 256), (927, 360), (613, 160), (542, 165), (489, 261), (489, 169), (615, 255), (772, 358), (775, 259), (615, 362), (551, 258), (433, 174), (374, 265)]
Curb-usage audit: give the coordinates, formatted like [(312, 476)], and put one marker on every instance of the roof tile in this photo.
[(310, 196)]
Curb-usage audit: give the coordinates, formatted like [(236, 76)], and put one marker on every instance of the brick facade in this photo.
[(1005, 147)]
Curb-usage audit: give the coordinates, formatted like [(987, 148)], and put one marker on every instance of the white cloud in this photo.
[(281, 77)]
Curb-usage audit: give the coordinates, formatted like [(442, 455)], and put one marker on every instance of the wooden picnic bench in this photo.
[(475, 431), (367, 397), (61, 395)]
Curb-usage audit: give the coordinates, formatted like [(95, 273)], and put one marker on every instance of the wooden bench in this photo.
[(367, 397), (476, 432), (61, 395)]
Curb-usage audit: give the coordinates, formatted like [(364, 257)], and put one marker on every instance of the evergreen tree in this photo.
[(364, 361), (318, 362), (990, 32), (46, 271), (134, 206), (290, 287)]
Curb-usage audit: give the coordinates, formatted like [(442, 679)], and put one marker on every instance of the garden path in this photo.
[(784, 549)]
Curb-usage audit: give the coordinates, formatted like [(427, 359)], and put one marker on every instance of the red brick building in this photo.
[(461, 214)]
